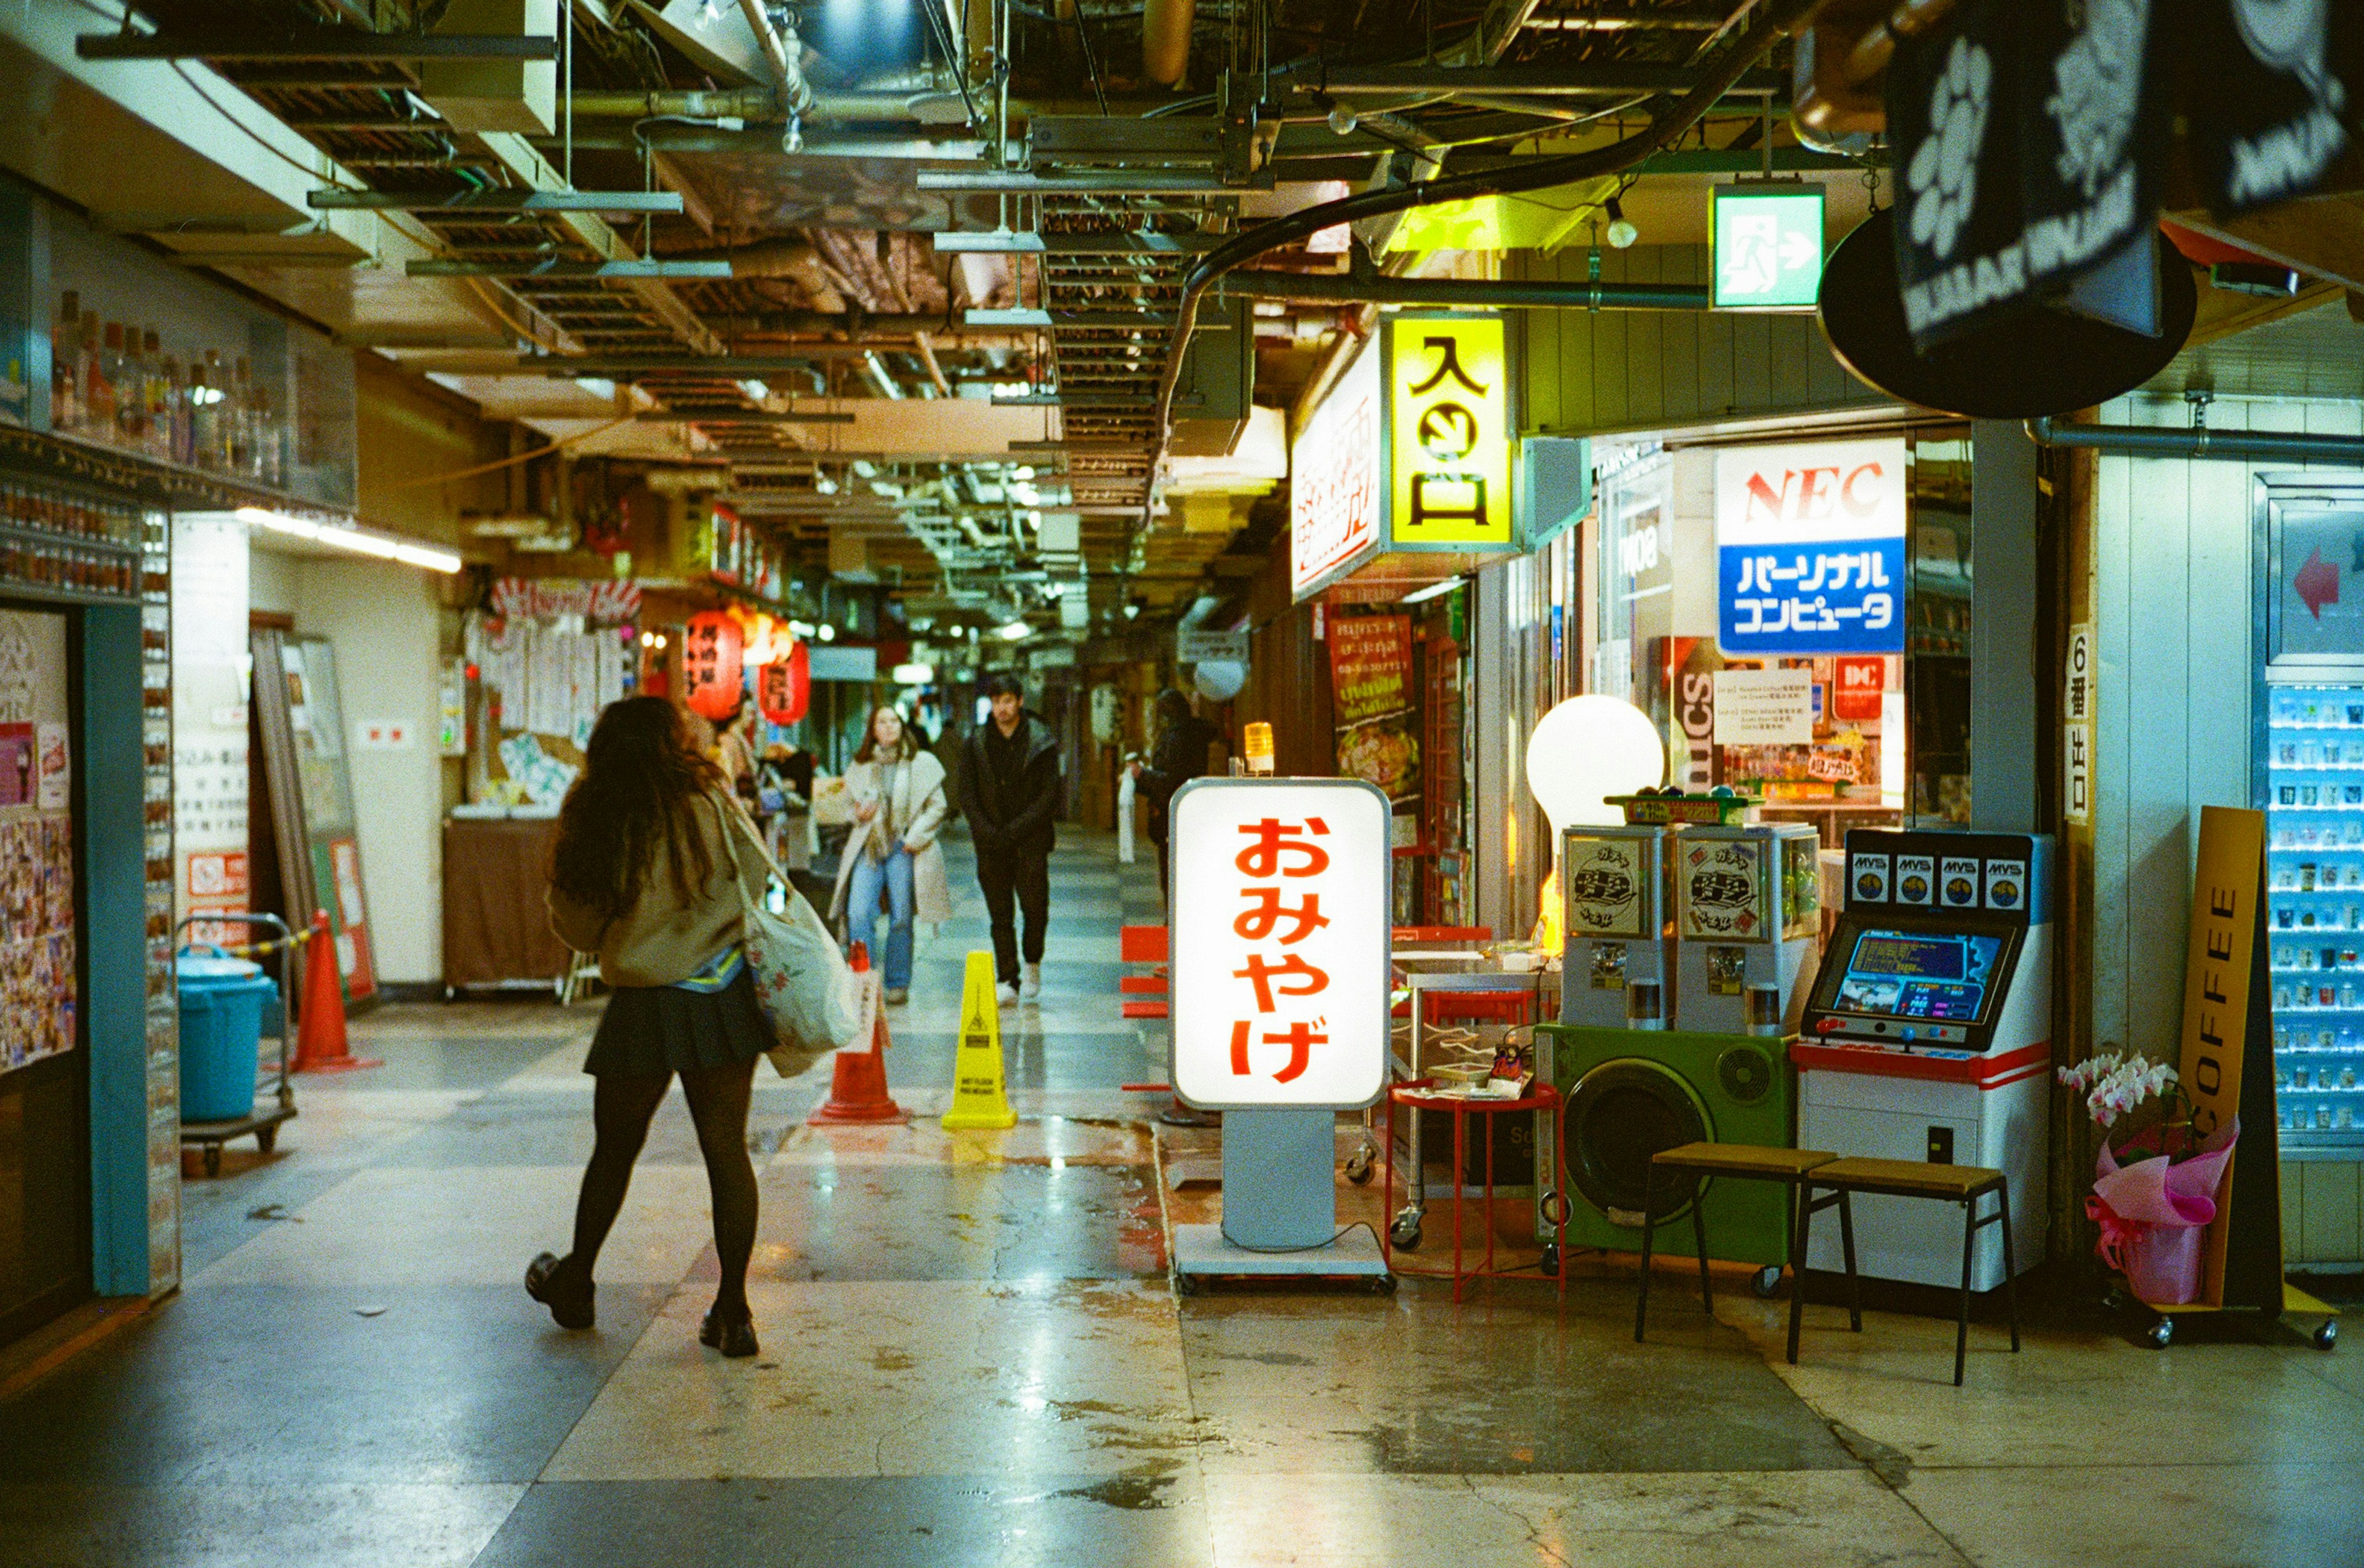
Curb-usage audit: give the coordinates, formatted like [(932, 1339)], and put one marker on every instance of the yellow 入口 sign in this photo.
[(1448, 400)]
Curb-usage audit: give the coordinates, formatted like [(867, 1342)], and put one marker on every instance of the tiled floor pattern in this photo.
[(972, 1356)]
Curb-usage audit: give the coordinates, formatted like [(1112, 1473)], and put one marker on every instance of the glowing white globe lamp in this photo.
[(1589, 748), (1220, 680)]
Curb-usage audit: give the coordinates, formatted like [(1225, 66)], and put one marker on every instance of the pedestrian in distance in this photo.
[(651, 856), (1182, 752), (898, 791), (1009, 792)]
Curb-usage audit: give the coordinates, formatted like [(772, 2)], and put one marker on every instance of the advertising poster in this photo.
[(212, 659), (1810, 548), (1371, 683), (38, 956)]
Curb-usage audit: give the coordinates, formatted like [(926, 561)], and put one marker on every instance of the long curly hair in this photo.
[(641, 772)]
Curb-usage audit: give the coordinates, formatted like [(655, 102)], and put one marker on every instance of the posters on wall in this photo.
[(1371, 688), (211, 666), (39, 999), (302, 721)]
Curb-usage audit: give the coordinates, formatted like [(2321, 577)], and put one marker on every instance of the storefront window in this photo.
[(1937, 635), (1794, 615)]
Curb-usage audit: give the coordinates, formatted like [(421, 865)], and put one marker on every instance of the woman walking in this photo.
[(651, 859), (899, 809)]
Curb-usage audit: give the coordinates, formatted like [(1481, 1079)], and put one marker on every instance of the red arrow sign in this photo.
[(2317, 582)]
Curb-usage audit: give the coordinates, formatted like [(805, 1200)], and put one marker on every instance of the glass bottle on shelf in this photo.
[(130, 375), (65, 357), (155, 393), (206, 447), (97, 393), (243, 450)]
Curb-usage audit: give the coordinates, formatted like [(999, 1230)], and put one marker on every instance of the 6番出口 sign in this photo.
[(1278, 943)]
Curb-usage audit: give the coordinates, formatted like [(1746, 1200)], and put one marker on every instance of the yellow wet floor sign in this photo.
[(978, 1100)]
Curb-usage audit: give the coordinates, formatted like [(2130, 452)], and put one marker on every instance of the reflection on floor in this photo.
[(972, 1355)]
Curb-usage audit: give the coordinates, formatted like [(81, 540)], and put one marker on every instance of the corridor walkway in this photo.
[(972, 1356)]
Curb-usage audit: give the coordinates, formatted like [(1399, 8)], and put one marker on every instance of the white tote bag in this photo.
[(812, 996)]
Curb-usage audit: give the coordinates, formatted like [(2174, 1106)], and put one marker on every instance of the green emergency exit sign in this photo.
[(1769, 247)]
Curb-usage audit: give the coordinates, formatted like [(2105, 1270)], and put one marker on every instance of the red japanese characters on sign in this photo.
[(1278, 946)]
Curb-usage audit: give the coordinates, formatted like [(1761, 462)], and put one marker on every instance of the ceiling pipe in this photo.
[(1779, 18), (783, 58), (763, 103), (2198, 443), (1373, 289), (1166, 39)]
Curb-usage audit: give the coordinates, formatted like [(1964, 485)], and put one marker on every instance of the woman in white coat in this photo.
[(899, 808)]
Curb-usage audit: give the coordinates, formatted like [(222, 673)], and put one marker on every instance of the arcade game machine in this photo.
[(1927, 1036), (1708, 1066)]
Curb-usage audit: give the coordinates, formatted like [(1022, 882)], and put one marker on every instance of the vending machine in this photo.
[(1615, 968), (1747, 911), (1927, 1035), (2314, 910)]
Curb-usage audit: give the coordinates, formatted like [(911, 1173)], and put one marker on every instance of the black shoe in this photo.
[(733, 1336), (564, 1287)]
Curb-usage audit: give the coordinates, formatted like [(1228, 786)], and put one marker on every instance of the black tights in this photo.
[(621, 1108)]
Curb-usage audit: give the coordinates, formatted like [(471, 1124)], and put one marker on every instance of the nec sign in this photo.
[(1810, 548)]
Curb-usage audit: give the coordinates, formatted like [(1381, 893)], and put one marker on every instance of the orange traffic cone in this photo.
[(857, 1087), (320, 1026)]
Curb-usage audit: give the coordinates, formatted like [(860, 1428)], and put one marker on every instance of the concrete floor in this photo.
[(972, 1355)]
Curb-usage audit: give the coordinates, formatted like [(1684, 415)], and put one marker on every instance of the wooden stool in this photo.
[(1748, 1162), (1964, 1184)]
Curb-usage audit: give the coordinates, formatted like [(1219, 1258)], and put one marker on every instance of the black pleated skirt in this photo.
[(650, 1030)]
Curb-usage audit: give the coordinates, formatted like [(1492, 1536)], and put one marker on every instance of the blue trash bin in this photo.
[(221, 1035)]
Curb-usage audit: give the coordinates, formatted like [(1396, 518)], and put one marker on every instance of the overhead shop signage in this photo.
[(2030, 142), (1809, 546), (1333, 483), (1200, 645), (1768, 245), (1448, 386), (1410, 452)]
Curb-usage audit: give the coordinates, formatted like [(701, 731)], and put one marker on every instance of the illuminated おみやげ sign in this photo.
[(1769, 247), (1448, 388), (1809, 546), (1279, 942)]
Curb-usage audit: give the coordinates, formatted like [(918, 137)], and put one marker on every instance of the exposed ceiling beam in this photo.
[(338, 199), (228, 47)]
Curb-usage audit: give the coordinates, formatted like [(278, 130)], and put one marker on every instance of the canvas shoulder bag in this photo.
[(811, 996)]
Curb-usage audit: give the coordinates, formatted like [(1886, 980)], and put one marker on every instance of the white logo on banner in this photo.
[(1944, 173), (2099, 78)]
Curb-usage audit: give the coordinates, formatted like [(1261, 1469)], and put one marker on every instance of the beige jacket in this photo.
[(924, 807), (660, 940)]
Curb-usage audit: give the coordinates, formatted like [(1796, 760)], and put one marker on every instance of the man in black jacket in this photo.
[(1009, 791)]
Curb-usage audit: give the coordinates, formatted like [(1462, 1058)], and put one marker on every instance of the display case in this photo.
[(2314, 902)]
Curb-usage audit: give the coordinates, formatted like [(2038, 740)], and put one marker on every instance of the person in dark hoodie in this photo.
[(1183, 751), (1010, 792)]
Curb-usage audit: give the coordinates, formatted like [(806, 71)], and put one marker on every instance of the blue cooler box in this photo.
[(222, 1001)]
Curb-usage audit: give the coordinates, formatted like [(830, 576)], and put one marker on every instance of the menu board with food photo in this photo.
[(1371, 686)]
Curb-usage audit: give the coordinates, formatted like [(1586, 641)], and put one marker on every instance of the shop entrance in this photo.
[(45, 1208)]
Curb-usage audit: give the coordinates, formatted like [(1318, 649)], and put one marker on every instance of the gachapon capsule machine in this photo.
[(1747, 914), (1617, 920)]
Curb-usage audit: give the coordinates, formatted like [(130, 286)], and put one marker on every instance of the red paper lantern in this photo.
[(784, 687), (711, 670)]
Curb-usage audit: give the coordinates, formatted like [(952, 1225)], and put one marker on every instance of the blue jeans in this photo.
[(894, 874)]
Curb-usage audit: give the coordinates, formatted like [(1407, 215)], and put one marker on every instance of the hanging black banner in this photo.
[(1950, 114), (2028, 142), (2271, 88)]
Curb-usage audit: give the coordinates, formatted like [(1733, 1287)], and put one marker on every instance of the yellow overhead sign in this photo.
[(1448, 398)]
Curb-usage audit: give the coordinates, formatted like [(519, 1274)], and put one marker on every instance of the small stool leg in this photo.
[(1962, 1322), (1846, 1246), (1698, 1238), (1650, 1227), (2010, 1266), (1798, 1284)]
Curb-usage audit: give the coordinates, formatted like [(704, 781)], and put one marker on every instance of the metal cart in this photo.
[(1404, 1229), (263, 1120)]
